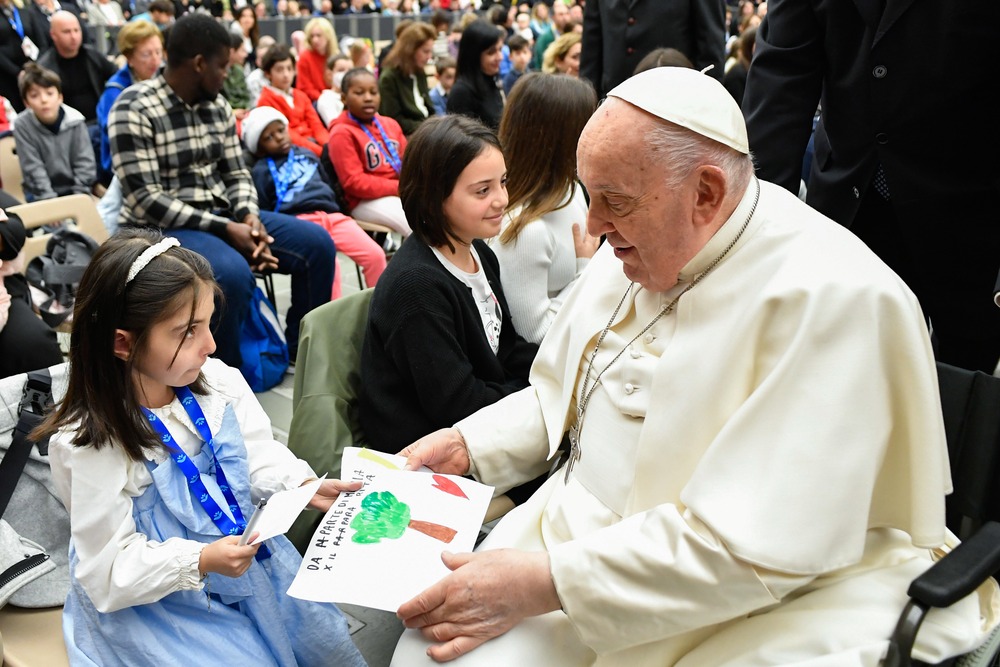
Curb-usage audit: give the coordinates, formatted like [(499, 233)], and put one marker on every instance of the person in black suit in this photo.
[(44, 9), (617, 34), (16, 24), (903, 148)]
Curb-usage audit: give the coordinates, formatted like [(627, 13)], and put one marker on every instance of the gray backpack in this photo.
[(55, 275)]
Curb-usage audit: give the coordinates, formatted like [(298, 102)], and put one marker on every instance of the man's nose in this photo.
[(597, 225)]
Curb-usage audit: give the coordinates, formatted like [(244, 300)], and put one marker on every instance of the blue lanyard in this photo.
[(281, 185), (391, 156), (197, 486), (15, 22)]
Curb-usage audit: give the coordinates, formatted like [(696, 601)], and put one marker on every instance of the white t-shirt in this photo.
[(482, 292)]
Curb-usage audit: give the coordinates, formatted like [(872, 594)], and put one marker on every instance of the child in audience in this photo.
[(7, 116), (290, 180), (543, 246), (53, 144), (256, 79), (520, 60), (304, 126), (234, 88), (441, 342), (366, 150), (445, 67), (361, 54), (331, 102), (159, 454)]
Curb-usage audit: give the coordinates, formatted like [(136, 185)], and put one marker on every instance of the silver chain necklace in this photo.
[(588, 388)]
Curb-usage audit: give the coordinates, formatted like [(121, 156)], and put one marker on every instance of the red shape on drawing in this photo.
[(448, 486)]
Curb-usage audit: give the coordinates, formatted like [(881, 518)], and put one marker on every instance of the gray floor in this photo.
[(375, 632)]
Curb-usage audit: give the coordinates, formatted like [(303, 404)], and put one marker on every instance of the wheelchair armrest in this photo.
[(946, 582), (961, 571)]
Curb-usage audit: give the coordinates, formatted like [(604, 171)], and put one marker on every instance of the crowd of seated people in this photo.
[(462, 138)]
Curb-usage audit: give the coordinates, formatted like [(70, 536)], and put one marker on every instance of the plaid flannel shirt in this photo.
[(178, 165)]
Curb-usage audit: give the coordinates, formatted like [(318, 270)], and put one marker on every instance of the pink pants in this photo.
[(353, 242)]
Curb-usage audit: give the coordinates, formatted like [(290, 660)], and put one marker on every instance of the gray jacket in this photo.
[(55, 165)]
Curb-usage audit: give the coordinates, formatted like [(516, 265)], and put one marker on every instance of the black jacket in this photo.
[(480, 99), (99, 70), (426, 362)]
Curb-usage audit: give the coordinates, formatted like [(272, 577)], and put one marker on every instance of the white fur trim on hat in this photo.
[(255, 122), (690, 99)]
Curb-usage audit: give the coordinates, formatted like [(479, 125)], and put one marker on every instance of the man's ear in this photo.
[(124, 340), (710, 193), (198, 63)]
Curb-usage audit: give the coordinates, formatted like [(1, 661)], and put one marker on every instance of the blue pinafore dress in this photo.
[(247, 620)]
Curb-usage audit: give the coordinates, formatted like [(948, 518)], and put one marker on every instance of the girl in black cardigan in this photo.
[(440, 342), (478, 90)]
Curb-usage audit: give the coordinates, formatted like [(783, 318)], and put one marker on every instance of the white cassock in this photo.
[(763, 472)]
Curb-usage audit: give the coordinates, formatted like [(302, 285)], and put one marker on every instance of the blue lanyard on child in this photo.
[(197, 486), (391, 156), (15, 21), (281, 184)]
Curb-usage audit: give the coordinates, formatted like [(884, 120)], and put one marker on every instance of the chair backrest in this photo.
[(10, 168), (970, 401), (327, 381), (80, 208)]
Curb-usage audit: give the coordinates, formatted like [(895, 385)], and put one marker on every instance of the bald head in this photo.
[(64, 28)]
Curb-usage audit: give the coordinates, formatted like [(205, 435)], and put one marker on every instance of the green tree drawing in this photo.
[(383, 516)]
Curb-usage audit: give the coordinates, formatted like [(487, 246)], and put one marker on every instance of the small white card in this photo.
[(281, 510)]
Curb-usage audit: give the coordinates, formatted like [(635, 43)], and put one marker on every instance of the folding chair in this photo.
[(11, 176), (80, 209), (324, 401)]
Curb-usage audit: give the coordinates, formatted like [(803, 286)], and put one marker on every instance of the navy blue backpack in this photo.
[(263, 345)]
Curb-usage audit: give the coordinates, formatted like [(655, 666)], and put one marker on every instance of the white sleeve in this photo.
[(118, 567), (657, 573), (273, 467), (507, 441)]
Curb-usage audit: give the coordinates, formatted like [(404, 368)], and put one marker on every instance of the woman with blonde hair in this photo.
[(540, 19), (543, 244), (320, 44), (563, 55), (141, 42), (403, 81)]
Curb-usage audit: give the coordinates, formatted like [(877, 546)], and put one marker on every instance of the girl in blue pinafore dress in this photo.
[(159, 453)]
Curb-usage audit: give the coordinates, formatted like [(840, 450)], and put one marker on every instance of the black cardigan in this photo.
[(480, 99), (426, 361)]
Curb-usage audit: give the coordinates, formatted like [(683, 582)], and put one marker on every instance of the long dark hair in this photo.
[(255, 29), (541, 126), (102, 400), (477, 37), (436, 155)]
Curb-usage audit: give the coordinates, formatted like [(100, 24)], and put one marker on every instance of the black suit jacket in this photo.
[(43, 20), (12, 58), (907, 89), (617, 34)]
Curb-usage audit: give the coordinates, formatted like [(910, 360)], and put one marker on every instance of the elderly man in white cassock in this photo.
[(758, 466)]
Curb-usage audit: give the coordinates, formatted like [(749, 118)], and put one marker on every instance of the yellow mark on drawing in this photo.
[(375, 458)]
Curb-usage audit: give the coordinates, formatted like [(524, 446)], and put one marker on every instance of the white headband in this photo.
[(149, 254)]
